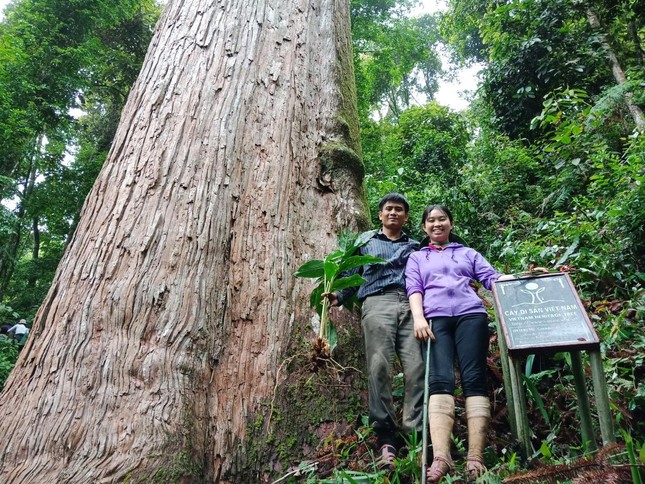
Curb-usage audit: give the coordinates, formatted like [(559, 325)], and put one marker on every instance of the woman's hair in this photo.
[(442, 208)]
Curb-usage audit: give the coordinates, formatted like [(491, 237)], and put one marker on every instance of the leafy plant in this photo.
[(8, 356), (529, 381), (407, 465), (339, 270)]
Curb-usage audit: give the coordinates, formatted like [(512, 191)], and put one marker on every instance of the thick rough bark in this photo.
[(235, 160)]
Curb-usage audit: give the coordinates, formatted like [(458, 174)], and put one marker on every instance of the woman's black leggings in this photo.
[(467, 337)]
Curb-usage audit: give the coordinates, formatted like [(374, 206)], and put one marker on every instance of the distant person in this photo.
[(387, 328), (4, 331), (449, 312), (19, 330)]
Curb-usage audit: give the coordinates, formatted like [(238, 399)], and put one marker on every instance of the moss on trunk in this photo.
[(313, 402)]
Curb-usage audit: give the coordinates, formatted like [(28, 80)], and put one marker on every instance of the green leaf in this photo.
[(335, 256), (544, 450), (315, 298), (349, 242), (346, 240), (568, 252), (564, 139), (529, 365), (345, 282), (331, 270), (332, 336), (311, 269), (357, 261), (537, 398), (363, 238)]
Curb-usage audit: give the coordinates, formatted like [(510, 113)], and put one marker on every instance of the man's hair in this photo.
[(394, 197)]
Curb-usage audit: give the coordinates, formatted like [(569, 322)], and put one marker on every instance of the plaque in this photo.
[(541, 314)]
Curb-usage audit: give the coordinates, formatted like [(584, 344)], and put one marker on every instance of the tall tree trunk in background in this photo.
[(235, 160), (35, 251), (11, 244), (617, 70)]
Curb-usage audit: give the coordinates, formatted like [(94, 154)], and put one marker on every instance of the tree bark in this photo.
[(236, 159), (11, 245), (32, 279), (617, 70)]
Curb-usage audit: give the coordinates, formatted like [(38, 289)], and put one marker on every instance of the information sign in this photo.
[(543, 314)]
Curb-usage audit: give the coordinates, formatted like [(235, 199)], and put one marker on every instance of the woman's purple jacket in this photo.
[(443, 277)]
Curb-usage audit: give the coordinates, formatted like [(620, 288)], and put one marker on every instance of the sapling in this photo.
[(331, 273)]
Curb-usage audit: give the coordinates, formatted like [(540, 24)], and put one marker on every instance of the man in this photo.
[(19, 330), (388, 328)]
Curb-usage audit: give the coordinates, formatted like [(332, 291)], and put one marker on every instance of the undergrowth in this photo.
[(558, 454)]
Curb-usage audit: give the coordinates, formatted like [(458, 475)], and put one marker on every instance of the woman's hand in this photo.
[(423, 329)]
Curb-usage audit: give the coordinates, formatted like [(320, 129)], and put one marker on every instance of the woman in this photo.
[(447, 311)]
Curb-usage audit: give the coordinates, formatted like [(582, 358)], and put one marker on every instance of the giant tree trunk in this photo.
[(235, 160)]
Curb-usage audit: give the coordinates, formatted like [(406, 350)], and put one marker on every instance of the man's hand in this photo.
[(423, 329), (333, 298)]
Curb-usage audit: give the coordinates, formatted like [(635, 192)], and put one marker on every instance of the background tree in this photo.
[(533, 48), (396, 61), (420, 154), (173, 307), (48, 157)]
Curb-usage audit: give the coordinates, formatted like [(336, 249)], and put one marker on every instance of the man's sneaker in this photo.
[(387, 453)]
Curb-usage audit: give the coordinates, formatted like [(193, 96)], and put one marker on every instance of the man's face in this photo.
[(393, 215)]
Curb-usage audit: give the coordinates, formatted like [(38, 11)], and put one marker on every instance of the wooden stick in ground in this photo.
[(424, 461)]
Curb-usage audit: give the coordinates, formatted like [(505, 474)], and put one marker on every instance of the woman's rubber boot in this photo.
[(478, 416), (441, 415)]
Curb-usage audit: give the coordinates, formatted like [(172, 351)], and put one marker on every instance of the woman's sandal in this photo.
[(475, 467), (439, 468)]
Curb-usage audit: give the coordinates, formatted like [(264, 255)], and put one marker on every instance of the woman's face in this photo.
[(438, 226)]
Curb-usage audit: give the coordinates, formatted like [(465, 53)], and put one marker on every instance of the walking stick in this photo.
[(424, 457)]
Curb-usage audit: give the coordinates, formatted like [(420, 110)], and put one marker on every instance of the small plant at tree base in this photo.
[(636, 461), (332, 275)]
